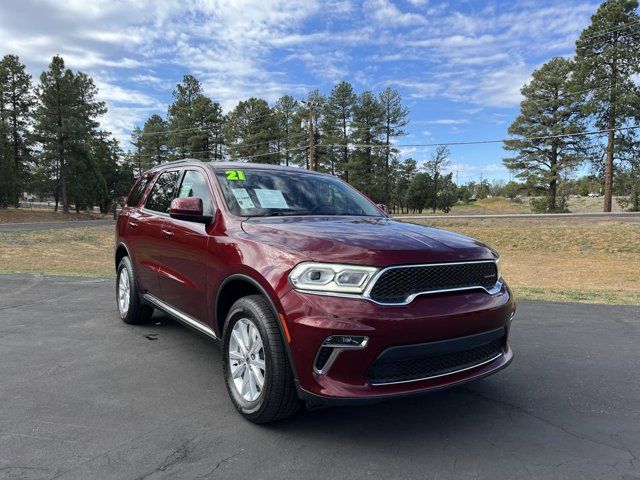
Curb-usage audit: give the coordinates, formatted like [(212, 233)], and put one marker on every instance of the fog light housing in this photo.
[(331, 348)]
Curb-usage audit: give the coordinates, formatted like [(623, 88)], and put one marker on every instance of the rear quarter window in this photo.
[(137, 191), (163, 191)]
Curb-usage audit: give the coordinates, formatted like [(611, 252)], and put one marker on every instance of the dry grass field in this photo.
[(43, 214), (500, 205), (574, 260), (68, 251)]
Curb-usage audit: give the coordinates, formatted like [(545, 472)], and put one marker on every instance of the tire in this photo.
[(132, 311), (277, 398)]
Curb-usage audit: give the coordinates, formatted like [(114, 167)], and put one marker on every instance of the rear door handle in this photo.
[(167, 233)]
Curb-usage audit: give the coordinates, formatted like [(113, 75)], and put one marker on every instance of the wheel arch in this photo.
[(121, 252), (239, 285)]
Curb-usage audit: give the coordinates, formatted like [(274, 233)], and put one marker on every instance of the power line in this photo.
[(604, 42), (621, 27), (257, 155), (480, 142)]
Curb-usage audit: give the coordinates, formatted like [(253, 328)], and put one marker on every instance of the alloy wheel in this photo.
[(124, 292), (247, 359)]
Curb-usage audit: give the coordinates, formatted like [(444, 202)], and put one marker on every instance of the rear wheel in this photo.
[(130, 307), (256, 368)]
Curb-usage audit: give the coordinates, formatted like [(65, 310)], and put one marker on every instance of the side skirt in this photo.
[(179, 315)]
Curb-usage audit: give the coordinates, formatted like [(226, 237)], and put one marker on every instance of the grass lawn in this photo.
[(573, 260), (576, 260), (43, 214), (500, 205)]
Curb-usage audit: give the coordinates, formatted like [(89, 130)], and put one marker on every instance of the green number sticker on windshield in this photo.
[(234, 175)]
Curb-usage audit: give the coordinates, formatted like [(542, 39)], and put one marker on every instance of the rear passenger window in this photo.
[(162, 192), (137, 191), (195, 185)]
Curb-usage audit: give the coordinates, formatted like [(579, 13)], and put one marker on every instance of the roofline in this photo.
[(217, 165)]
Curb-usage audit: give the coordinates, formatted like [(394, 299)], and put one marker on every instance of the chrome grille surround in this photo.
[(492, 290)]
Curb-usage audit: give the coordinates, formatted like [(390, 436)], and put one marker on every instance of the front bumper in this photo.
[(426, 321)]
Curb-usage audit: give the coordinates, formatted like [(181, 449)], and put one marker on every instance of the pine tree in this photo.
[(136, 142), (368, 125), (65, 121), (206, 141), (338, 113), (251, 132), (194, 122), (608, 58), (154, 141), (550, 107), (16, 104), (290, 132), (395, 118), (179, 118)]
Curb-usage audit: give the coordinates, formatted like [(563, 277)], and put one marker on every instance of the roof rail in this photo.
[(182, 160)]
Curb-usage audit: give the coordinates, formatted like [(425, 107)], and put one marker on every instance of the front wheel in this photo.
[(256, 368)]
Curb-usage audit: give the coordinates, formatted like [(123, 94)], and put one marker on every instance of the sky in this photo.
[(459, 65)]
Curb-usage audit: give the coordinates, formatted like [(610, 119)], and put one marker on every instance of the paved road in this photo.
[(35, 226), (83, 395), (633, 216)]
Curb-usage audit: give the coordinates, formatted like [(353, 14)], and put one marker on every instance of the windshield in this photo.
[(263, 193)]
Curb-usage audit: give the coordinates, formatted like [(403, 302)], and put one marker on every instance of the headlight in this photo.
[(330, 277)]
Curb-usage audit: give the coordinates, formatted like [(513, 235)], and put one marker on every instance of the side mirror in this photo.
[(189, 209), (383, 208)]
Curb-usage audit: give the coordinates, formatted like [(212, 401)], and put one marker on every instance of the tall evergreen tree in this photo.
[(194, 122), (180, 115), (16, 104), (395, 118), (206, 141), (368, 125), (338, 113), (549, 108), (154, 140), (136, 142), (290, 132), (66, 119), (251, 132), (608, 58)]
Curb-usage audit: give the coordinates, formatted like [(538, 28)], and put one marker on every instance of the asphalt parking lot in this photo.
[(83, 395)]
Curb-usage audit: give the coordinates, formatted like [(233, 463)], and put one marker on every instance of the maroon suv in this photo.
[(314, 292)]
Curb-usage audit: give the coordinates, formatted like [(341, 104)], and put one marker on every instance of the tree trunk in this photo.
[(345, 150), (553, 184), (386, 171), (608, 169)]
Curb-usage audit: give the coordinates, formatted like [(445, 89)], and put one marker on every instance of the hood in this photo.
[(364, 240)]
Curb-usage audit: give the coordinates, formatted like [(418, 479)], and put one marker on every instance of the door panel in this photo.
[(144, 234), (183, 276), (144, 231)]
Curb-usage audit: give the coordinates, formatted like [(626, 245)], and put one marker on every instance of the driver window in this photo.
[(195, 185)]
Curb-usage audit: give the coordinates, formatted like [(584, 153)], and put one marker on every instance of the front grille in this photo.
[(396, 284), (393, 371)]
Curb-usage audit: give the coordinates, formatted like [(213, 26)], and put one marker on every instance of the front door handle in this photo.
[(132, 224), (167, 233)]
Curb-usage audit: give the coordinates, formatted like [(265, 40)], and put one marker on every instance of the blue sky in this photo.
[(459, 65)]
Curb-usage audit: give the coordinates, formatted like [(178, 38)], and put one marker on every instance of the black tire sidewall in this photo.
[(245, 309)]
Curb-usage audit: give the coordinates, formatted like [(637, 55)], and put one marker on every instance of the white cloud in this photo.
[(386, 13), (448, 121)]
